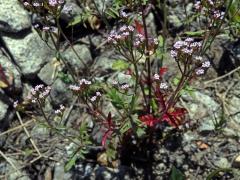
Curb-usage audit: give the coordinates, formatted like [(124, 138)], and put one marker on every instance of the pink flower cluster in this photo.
[(209, 8), (128, 34), (125, 86), (163, 85), (123, 33), (82, 84), (60, 110), (187, 48), (201, 70), (39, 92), (15, 104), (123, 14), (94, 98), (39, 4), (55, 2), (218, 14)]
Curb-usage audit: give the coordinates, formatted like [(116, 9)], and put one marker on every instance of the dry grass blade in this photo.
[(31, 140), (16, 128), (221, 77), (10, 162)]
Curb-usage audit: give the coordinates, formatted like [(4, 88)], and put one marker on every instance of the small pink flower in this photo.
[(199, 71), (61, 1), (98, 94), (123, 14), (46, 28), (178, 44), (125, 86), (163, 86), (189, 40), (26, 4), (62, 107), (131, 28), (15, 104), (52, 2), (197, 5), (93, 98), (156, 77), (123, 28), (58, 111), (36, 26), (74, 87), (210, 2), (173, 53), (36, 4), (125, 34), (206, 64), (199, 58), (137, 43), (187, 51)]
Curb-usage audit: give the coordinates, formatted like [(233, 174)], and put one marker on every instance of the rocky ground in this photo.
[(208, 143)]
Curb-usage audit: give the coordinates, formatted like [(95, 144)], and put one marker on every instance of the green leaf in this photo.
[(83, 128), (76, 20), (28, 152), (140, 132), (79, 19), (176, 81), (111, 153), (66, 78), (125, 127), (154, 105), (161, 41), (195, 33), (234, 12), (116, 98), (112, 13), (120, 65), (176, 174), (71, 162)]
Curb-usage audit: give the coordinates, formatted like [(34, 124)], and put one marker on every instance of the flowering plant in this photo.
[(146, 101)]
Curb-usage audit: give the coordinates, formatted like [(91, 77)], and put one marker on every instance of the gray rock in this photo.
[(175, 21), (236, 162), (12, 174), (95, 40), (70, 11), (30, 52), (84, 53), (206, 100), (48, 72), (234, 104), (60, 93), (40, 131), (205, 108), (60, 174), (207, 125), (200, 104), (13, 18), (189, 137), (222, 163), (229, 132), (104, 62), (102, 6), (3, 110), (151, 24), (11, 70)]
